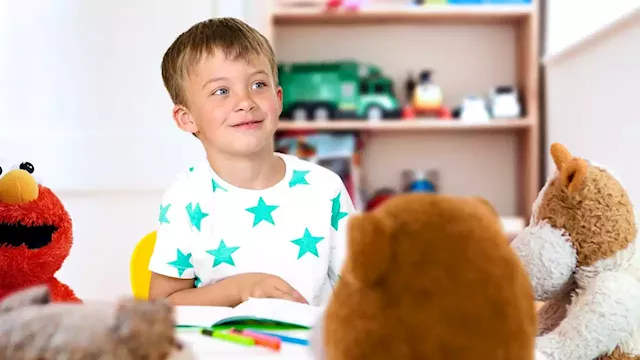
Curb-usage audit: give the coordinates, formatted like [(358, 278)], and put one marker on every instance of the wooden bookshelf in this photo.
[(399, 125), (403, 14), (470, 49)]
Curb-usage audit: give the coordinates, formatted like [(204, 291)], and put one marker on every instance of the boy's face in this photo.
[(234, 106)]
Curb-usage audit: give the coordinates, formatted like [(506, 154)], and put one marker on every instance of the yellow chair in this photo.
[(139, 273)]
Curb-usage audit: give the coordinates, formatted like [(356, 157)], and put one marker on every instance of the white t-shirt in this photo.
[(210, 230)]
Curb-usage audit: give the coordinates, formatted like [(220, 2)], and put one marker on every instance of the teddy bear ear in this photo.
[(573, 174), (37, 295), (369, 248), (487, 205), (561, 156)]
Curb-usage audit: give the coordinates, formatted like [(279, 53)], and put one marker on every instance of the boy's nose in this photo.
[(246, 103), (18, 187)]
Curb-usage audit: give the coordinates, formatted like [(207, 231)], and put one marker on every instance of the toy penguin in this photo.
[(428, 277), (580, 251), (35, 235)]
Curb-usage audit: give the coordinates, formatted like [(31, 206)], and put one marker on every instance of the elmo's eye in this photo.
[(28, 167)]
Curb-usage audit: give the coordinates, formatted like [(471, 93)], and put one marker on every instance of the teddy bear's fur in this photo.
[(429, 277), (34, 328), (580, 252)]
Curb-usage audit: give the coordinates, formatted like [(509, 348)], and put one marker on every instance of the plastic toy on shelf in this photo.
[(325, 91), (425, 98), (349, 5), (474, 110), (420, 181), (504, 102)]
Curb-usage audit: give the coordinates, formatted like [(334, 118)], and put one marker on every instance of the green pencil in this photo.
[(234, 338)]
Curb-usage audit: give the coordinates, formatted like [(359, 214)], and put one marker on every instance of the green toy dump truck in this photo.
[(336, 90)]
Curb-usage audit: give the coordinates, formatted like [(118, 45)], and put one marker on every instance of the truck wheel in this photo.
[(299, 113), (321, 113), (374, 113)]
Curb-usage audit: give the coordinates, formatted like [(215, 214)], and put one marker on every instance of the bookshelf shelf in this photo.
[(399, 125), (470, 49), (403, 14)]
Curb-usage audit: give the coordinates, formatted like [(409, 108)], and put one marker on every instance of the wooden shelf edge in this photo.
[(398, 125), (383, 14)]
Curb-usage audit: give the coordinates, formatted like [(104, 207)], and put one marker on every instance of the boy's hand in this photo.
[(258, 285)]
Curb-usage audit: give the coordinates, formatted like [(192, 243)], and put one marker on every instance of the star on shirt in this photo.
[(223, 254), (307, 243), (336, 214), (196, 215), (298, 178), (262, 212), (162, 218), (182, 262), (216, 186)]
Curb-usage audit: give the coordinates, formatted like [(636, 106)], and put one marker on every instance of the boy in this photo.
[(247, 222)]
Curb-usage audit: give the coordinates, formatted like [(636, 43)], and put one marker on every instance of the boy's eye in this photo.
[(221, 92), (259, 84)]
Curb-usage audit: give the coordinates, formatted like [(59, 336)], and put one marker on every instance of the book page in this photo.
[(201, 316), (285, 311)]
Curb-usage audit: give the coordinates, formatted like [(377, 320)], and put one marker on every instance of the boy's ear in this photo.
[(369, 247), (279, 95), (183, 119)]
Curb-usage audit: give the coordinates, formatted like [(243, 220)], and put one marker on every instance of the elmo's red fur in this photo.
[(21, 267)]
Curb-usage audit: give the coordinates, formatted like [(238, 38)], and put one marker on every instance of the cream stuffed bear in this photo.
[(33, 328), (580, 252)]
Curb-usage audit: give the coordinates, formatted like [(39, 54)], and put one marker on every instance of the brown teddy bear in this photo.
[(580, 252), (429, 277), (34, 328)]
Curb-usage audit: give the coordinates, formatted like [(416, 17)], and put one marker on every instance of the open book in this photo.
[(267, 310)]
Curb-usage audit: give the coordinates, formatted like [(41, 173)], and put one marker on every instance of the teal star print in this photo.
[(307, 243), (216, 186), (298, 178), (162, 218), (182, 262), (191, 168), (223, 254), (261, 212), (336, 214), (196, 215)]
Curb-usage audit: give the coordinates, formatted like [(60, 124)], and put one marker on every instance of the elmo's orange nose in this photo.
[(18, 187)]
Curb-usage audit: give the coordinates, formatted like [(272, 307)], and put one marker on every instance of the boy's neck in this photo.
[(256, 172)]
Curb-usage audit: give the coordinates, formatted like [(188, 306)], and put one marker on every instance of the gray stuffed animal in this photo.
[(34, 328)]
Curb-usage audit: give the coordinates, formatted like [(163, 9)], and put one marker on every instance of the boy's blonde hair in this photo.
[(235, 38)]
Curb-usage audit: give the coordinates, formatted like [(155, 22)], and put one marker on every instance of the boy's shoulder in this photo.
[(312, 173), (191, 179)]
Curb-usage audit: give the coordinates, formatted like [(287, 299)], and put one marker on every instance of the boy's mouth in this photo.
[(248, 124)]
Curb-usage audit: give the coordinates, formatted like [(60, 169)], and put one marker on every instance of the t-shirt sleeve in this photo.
[(341, 209), (172, 253)]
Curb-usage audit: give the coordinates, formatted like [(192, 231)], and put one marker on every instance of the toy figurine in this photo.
[(426, 97), (504, 102), (474, 109)]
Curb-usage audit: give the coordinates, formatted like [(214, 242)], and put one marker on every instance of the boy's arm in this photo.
[(170, 263), (341, 209)]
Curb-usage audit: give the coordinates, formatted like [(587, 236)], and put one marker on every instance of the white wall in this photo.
[(82, 98), (569, 21), (592, 104)]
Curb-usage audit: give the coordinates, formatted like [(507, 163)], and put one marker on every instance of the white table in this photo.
[(205, 347)]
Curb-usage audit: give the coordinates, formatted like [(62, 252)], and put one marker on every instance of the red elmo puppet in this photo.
[(35, 235)]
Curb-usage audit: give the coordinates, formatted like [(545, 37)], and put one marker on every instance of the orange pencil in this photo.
[(261, 340)]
